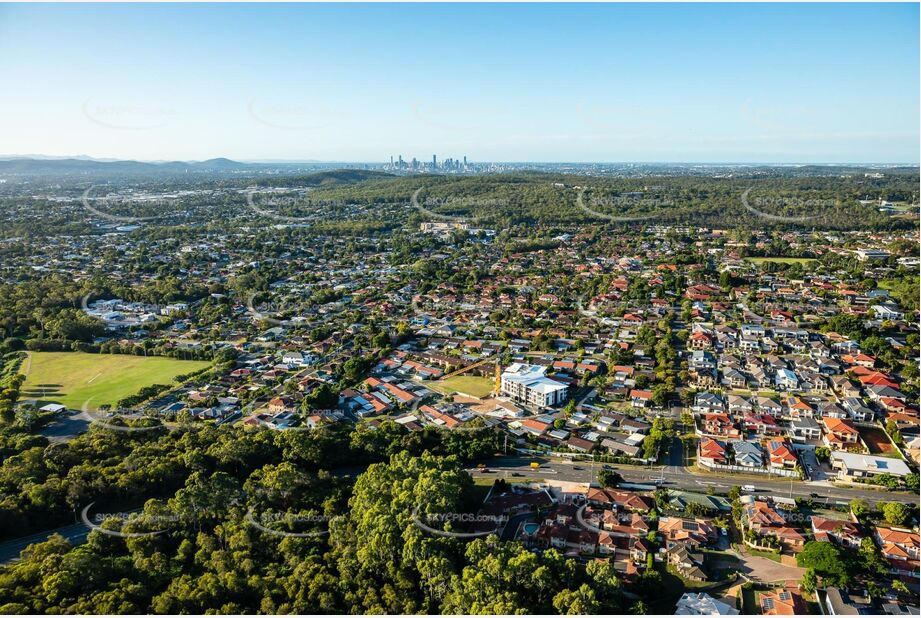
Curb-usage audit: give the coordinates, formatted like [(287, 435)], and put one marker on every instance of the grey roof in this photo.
[(747, 452)]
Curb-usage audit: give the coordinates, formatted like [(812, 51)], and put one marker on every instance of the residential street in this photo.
[(678, 477)]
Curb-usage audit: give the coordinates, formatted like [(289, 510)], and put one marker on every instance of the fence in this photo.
[(762, 471)]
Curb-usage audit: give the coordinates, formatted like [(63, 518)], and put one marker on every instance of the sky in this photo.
[(766, 83)]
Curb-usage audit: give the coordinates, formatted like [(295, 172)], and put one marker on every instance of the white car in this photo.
[(723, 531)]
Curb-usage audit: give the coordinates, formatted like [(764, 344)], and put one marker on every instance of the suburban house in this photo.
[(781, 455), (712, 452), (856, 465), (839, 434), (688, 562), (901, 548), (702, 604), (840, 531), (747, 454), (782, 602), (720, 425), (805, 430), (691, 532)]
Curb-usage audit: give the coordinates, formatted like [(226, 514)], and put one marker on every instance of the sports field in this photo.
[(71, 378), (474, 386)]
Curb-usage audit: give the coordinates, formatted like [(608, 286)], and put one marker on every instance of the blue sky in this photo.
[(509, 82)]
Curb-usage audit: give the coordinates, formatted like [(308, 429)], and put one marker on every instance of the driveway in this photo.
[(814, 469), (766, 569)]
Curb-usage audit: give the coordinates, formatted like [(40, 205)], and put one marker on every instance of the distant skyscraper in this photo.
[(434, 163)]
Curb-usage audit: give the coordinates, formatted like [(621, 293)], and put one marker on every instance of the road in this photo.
[(75, 533), (679, 477)]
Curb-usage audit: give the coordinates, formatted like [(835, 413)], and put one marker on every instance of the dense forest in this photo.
[(363, 202), (329, 538)]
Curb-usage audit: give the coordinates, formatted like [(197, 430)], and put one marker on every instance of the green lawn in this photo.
[(474, 386), (780, 260), (72, 378)]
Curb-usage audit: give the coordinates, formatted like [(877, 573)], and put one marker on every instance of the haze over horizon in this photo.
[(652, 83), (245, 160)]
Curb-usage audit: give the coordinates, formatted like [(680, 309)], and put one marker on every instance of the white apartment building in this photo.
[(530, 384)]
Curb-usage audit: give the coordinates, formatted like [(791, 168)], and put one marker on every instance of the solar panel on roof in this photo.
[(768, 603), (689, 525)]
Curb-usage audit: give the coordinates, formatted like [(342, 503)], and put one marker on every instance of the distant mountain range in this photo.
[(37, 164)]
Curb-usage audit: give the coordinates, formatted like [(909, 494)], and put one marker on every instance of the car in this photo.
[(813, 495), (607, 467), (484, 470), (724, 532), (578, 468)]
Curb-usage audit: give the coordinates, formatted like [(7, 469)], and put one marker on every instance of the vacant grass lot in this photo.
[(475, 386), (70, 378)]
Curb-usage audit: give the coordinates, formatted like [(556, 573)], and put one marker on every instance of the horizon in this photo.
[(270, 161), (748, 84)]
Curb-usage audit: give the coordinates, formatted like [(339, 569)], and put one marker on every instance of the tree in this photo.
[(896, 513), (604, 578), (609, 478), (893, 430), (581, 601), (859, 507), (639, 609), (871, 560), (826, 559), (810, 581), (662, 498)]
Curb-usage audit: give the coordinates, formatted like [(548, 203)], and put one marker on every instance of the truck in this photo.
[(748, 488)]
